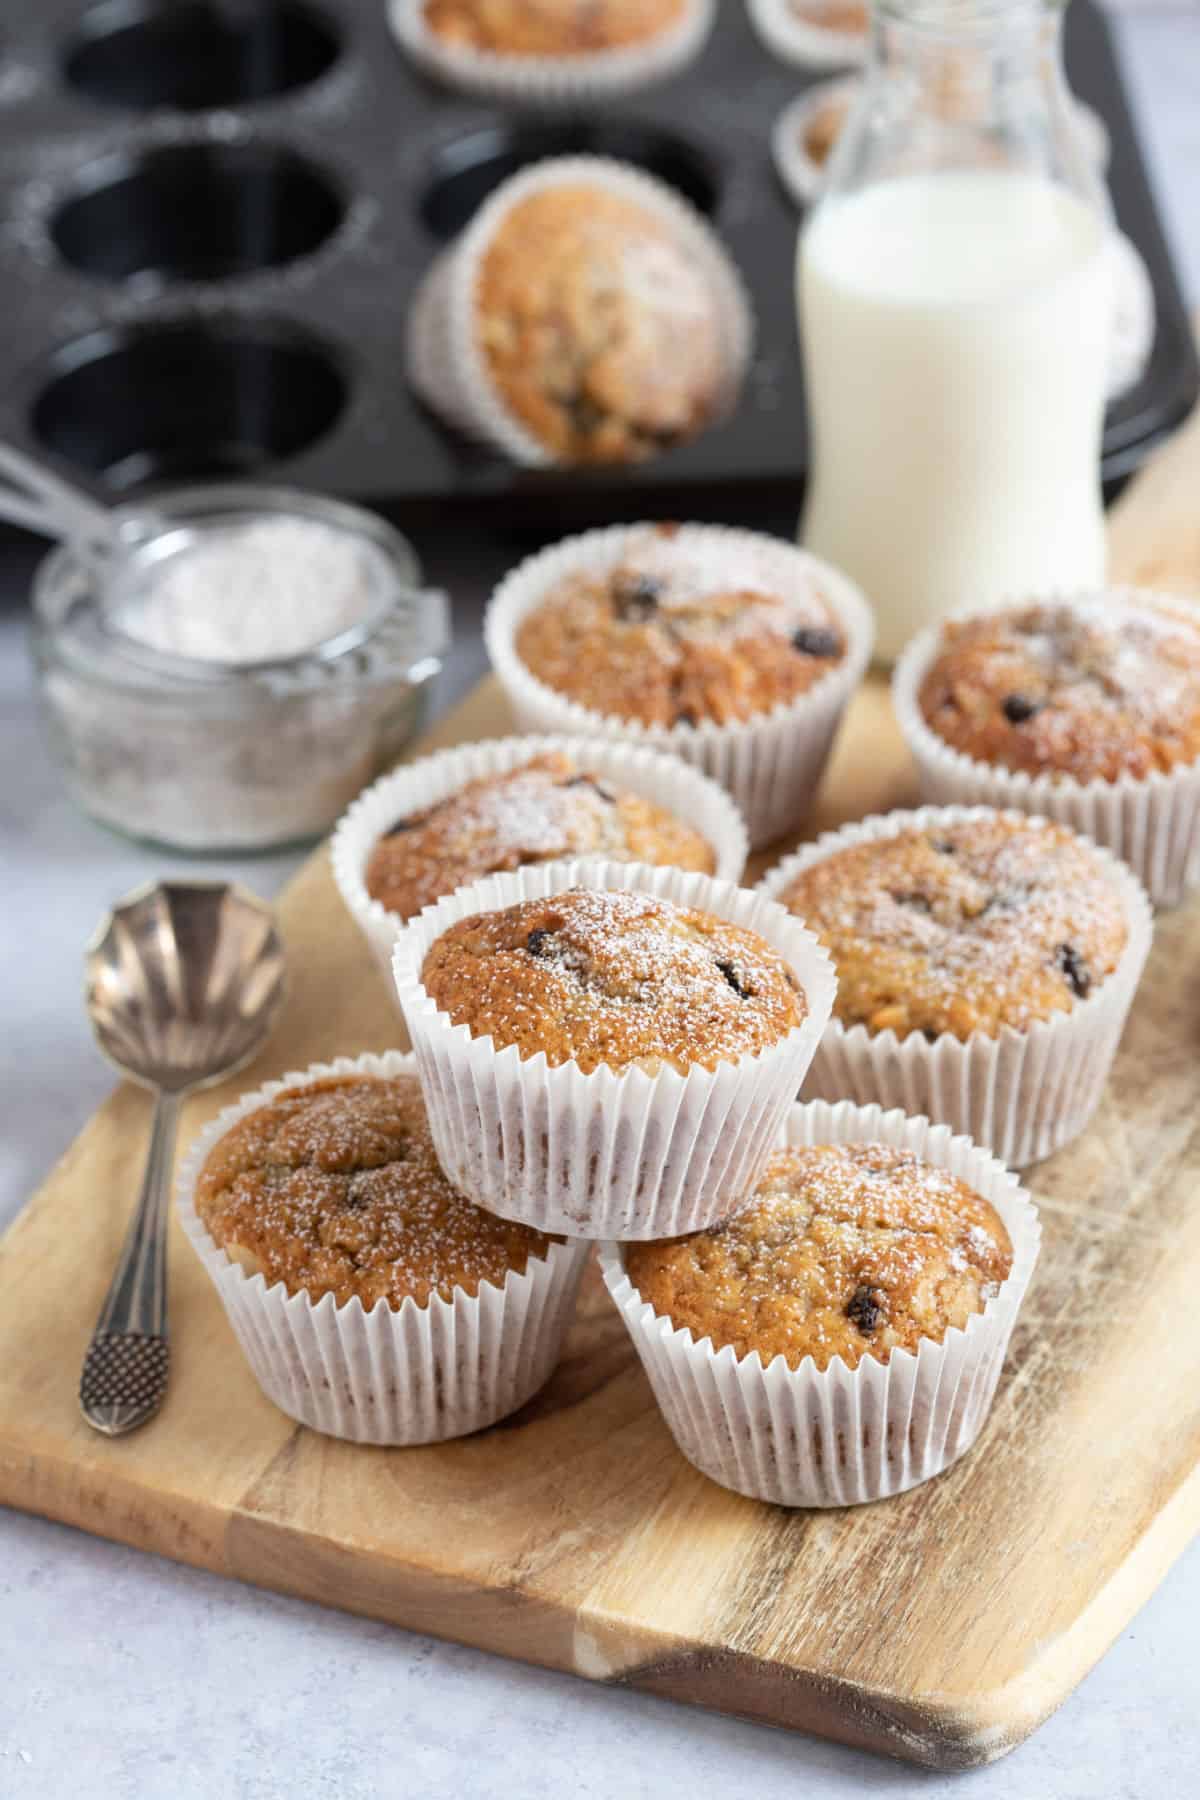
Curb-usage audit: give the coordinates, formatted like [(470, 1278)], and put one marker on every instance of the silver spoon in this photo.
[(41, 500), (184, 981)]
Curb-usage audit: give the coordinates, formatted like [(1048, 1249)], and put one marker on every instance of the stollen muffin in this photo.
[(499, 803), (551, 27), (663, 640), (545, 809), (620, 979), (815, 34), (333, 1188), (1093, 690), (839, 1337), (1084, 708), (586, 315), (845, 1250), (963, 926), (607, 1049), (808, 129), (735, 651), (549, 52), (372, 1300), (986, 963)]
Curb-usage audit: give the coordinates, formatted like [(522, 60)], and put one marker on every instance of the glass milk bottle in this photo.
[(955, 315)]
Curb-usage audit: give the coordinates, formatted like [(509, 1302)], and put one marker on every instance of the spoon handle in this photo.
[(125, 1370), (33, 496)]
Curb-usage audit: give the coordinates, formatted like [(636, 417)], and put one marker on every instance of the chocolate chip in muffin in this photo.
[(636, 597), (537, 941), (601, 792), (863, 1310), (916, 902), (731, 975), (408, 824), (1078, 975), (1018, 709), (943, 847), (816, 640)]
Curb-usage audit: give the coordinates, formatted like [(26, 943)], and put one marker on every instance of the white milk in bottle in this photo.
[(955, 315)]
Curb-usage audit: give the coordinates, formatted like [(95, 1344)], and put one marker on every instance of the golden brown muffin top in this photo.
[(334, 1188), (965, 927), (551, 27), (847, 16), (823, 127), (1095, 689), (543, 810), (614, 977), (598, 326), (678, 635), (846, 1250)]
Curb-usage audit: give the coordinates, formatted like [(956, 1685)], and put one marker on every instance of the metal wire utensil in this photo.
[(184, 982)]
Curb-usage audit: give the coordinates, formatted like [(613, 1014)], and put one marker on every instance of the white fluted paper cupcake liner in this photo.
[(771, 765), (840, 1437), (413, 1376), (551, 81), (1152, 822), (686, 793), (1022, 1094), (799, 171), (803, 41), (802, 174), (602, 1154), (445, 363)]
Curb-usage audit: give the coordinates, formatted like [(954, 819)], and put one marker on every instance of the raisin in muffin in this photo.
[(843, 1250), (551, 27), (599, 326), (614, 977), (545, 809), (334, 1188), (963, 927), (1087, 690), (679, 634)]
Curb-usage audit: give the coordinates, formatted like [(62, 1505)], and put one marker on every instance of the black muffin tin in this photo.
[(213, 218)]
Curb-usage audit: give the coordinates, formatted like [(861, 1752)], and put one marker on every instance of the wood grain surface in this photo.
[(942, 1626)]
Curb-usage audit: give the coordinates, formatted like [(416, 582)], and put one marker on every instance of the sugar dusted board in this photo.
[(942, 1627)]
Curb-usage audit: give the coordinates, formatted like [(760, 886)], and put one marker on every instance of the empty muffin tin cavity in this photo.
[(184, 399), (196, 54), (196, 212), (465, 171)]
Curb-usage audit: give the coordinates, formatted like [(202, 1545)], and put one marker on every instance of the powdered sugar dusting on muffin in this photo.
[(614, 977), (334, 1188), (963, 927)]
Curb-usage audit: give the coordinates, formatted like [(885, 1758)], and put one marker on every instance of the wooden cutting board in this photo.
[(942, 1626)]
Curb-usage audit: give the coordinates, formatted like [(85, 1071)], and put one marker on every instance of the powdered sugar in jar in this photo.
[(267, 654)]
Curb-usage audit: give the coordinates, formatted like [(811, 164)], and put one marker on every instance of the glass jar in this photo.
[(203, 756), (954, 290)]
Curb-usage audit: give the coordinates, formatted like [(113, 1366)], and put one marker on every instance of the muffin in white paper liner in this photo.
[(1022, 1094), (603, 1154), (552, 81), (805, 41), (700, 803), (771, 764), (802, 173), (798, 169), (839, 1436), (418, 1375), (445, 363), (1152, 822)]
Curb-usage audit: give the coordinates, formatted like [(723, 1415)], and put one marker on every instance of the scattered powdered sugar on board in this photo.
[(260, 592)]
